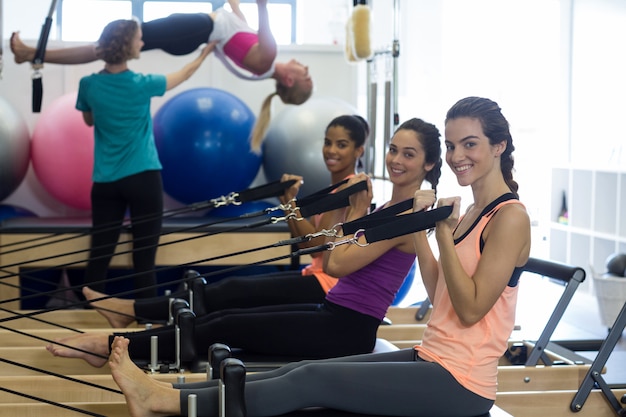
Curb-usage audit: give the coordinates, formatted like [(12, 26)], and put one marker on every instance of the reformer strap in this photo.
[(39, 59), (333, 201), (272, 189), (376, 217), (391, 228), (407, 223), (305, 201)]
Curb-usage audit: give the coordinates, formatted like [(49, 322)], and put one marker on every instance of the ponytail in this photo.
[(262, 123)]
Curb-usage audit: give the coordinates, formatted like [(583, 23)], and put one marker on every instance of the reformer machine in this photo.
[(594, 379)]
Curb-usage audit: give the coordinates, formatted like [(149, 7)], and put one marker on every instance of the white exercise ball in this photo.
[(294, 140)]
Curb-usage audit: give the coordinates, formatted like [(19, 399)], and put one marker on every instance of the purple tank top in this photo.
[(372, 289)]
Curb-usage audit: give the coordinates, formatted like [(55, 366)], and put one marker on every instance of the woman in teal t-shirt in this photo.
[(127, 171)]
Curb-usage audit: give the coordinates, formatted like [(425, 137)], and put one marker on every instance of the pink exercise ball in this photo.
[(62, 153)]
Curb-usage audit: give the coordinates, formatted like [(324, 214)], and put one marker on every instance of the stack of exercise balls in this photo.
[(203, 139), (294, 141), (610, 288), (202, 136), (62, 153)]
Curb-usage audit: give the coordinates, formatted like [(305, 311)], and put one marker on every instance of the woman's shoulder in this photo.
[(512, 219)]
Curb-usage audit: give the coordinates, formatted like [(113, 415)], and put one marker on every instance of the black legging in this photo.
[(288, 287), (391, 384), (177, 34), (142, 194), (298, 330)]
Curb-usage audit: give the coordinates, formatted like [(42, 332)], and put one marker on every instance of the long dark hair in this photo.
[(495, 127), (429, 136)]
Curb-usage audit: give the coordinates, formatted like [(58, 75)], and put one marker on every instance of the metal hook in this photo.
[(354, 239)]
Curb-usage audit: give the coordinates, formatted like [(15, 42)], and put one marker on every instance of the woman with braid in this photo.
[(473, 288), (347, 321)]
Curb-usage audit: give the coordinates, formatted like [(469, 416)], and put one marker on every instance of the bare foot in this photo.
[(21, 51), (93, 347), (109, 306), (145, 397)]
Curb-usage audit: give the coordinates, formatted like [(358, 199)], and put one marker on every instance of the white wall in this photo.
[(333, 76)]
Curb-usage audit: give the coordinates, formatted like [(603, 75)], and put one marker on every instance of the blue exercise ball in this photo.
[(14, 149), (9, 211), (203, 139), (405, 288), (294, 140)]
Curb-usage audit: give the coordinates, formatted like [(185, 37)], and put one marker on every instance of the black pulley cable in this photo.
[(186, 229), (38, 60), (43, 339), (272, 189), (401, 225), (344, 200), (266, 221), (280, 243), (54, 374), (56, 404), (384, 216), (54, 296), (330, 202), (18, 315), (125, 225)]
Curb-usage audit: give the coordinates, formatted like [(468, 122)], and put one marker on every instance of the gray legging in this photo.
[(391, 384)]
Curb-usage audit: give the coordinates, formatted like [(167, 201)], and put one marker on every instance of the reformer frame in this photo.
[(594, 379)]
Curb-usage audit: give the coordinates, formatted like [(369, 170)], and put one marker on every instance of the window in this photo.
[(74, 26)]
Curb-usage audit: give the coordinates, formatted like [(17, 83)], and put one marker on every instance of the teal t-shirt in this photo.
[(120, 105)]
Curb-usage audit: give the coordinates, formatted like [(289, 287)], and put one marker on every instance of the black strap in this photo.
[(407, 223), (272, 189), (375, 217), (38, 59), (305, 201), (37, 94), (332, 201)]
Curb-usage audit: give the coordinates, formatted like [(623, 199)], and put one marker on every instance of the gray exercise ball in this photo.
[(14, 149), (294, 140)]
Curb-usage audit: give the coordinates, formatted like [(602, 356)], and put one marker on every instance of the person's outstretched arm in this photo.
[(176, 78)]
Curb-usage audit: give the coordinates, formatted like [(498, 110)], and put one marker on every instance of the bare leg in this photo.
[(81, 54), (126, 308), (144, 396), (87, 342), (234, 4)]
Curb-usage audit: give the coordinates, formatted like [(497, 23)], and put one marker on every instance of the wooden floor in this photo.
[(547, 392)]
